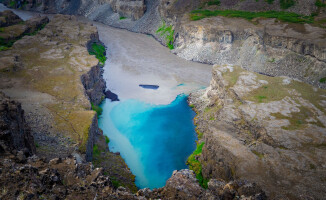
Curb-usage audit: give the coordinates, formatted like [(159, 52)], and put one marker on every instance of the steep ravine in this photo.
[(266, 46), (253, 126), (69, 178)]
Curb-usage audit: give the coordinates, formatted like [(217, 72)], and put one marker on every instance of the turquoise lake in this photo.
[(154, 140)]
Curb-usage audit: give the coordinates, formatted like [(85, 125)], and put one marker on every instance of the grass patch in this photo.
[(36, 31), (192, 106), (196, 166), (322, 80), (6, 44), (299, 120), (115, 182), (122, 18), (168, 33), (12, 4), (199, 134), (261, 98), (2, 29), (107, 139), (96, 151), (214, 2), (270, 1), (97, 109), (260, 155), (285, 4), (99, 51), (320, 4), (280, 15), (3, 48)]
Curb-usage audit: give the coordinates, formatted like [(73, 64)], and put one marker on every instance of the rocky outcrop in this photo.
[(15, 134), (94, 84), (56, 79), (8, 18), (184, 185), (14, 28), (55, 59), (134, 9), (271, 47), (67, 178), (172, 8), (268, 130)]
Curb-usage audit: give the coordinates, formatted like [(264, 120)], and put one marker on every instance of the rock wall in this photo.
[(268, 130), (15, 134), (133, 9), (264, 46), (272, 48), (94, 84)]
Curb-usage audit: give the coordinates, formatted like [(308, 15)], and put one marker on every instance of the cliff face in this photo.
[(269, 130), (133, 9), (15, 134), (271, 47)]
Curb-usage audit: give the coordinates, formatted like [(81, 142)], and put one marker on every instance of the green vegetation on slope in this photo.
[(97, 109), (168, 32), (320, 4), (285, 4), (6, 44), (214, 2), (282, 16), (122, 18), (323, 80), (96, 151), (99, 51), (107, 139), (196, 166), (276, 90)]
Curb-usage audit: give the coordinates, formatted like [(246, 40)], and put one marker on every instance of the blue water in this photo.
[(154, 140)]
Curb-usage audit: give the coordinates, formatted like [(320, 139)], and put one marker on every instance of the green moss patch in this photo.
[(107, 139), (277, 90), (214, 2), (6, 44), (285, 4), (97, 109), (168, 33), (322, 80), (196, 166), (96, 151), (298, 120), (260, 155), (280, 15), (99, 51), (320, 4)]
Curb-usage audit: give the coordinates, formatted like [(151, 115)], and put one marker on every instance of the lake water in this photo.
[(154, 140)]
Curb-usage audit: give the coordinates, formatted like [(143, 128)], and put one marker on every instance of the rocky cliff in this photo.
[(15, 134), (52, 74), (268, 46), (269, 130), (133, 9)]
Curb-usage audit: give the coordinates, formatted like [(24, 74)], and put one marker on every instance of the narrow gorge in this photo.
[(163, 99)]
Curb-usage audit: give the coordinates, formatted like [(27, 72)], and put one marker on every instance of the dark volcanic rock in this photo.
[(110, 95), (94, 84), (15, 133), (8, 18)]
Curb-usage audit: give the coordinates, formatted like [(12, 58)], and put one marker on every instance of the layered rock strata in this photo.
[(268, 130), (15, 134), (55, 78)]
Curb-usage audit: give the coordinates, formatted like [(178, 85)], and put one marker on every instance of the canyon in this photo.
[(260, 120)]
